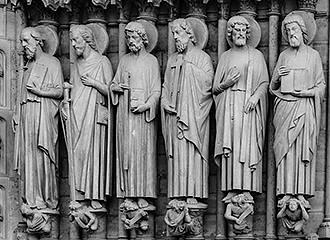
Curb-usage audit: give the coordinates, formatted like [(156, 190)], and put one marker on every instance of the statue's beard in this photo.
[(135, 47), (181, 45), (294, 41), (30, 52), (240, 41)]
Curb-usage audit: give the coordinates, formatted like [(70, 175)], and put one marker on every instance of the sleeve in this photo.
[(263, 80), (115, 81), (155, 87), (275, 81)]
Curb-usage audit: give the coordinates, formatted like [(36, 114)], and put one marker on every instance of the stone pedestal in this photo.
[(185, 220), (101, 232), (136, 220), (22, 232)]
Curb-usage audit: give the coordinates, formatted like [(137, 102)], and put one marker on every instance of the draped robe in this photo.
[(90, 119), (297, 120), (186, 133), (136, 133), (38, 131), (239, 134)]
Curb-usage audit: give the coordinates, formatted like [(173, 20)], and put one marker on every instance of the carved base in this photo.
[(185, 219), (52, 225), (292, 215), (87, 223), (324, 229), (137, 219), (239, 215)]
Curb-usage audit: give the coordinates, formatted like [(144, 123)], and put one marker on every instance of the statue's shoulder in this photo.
[(50, 61)]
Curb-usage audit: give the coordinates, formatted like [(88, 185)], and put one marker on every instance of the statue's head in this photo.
[(182, 34), (26, 210), (295, 29), (238, 30), (31, 41), (82, 38), (292, 204), (136, 36)]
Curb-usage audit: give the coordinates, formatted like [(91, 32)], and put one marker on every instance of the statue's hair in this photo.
[(87, 34), (182, 23), (238, 20), (35, 34), (139, 29), (295, 18)]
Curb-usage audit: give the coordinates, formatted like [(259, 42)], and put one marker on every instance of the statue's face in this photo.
[(239, 35), (295, 35), (78, 43), (29, 44), (134, 41), (293, 206), (181, 38)]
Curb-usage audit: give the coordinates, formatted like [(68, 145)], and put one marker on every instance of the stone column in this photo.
[(122, 21), (224, 9), (274, 16)]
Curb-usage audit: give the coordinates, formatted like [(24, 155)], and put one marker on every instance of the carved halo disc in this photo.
[(100, 35), (200, 31), (50, 39), (152, 34), (255, 32), (310, 24)]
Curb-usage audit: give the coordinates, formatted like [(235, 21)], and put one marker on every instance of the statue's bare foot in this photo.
[(142, 203), (96, 204), (192, 201)]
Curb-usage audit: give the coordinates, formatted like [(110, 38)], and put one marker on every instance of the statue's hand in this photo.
[(14, 122), (233, 77), (117, 88), (283, 71), (34, 90), (251, 104), (141, 108), (169, 109), (88, 81), (238, 221), (304, 93)]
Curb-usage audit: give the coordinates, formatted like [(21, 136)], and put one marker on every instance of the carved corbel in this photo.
[(248, 7), (307, 5), (94, 14), (197, 8)]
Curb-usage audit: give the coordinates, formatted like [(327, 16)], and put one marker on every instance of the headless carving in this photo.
[(83, 216)]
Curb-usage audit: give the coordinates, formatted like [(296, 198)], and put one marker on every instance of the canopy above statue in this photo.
[(55, 4)]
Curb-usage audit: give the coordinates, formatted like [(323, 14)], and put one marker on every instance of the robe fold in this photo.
[(297, 120), (241, 135), (38, 133), (187, 132), (90, 120), (136, 133)]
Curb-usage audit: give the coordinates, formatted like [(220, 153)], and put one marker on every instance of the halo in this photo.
[(152, 34), (50, 39), (310, 24), (100, 35), (200, 30), (255, 32)]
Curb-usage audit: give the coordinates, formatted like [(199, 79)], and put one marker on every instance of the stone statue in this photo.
[(240, 93), (293, 214), (298, 85), (1, 72), (135, 90), (185, 105), (239, 212), (87, 120), (36, 123), (37, 222), (82, 216)]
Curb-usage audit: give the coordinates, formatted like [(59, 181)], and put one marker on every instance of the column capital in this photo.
[(307, 5)]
